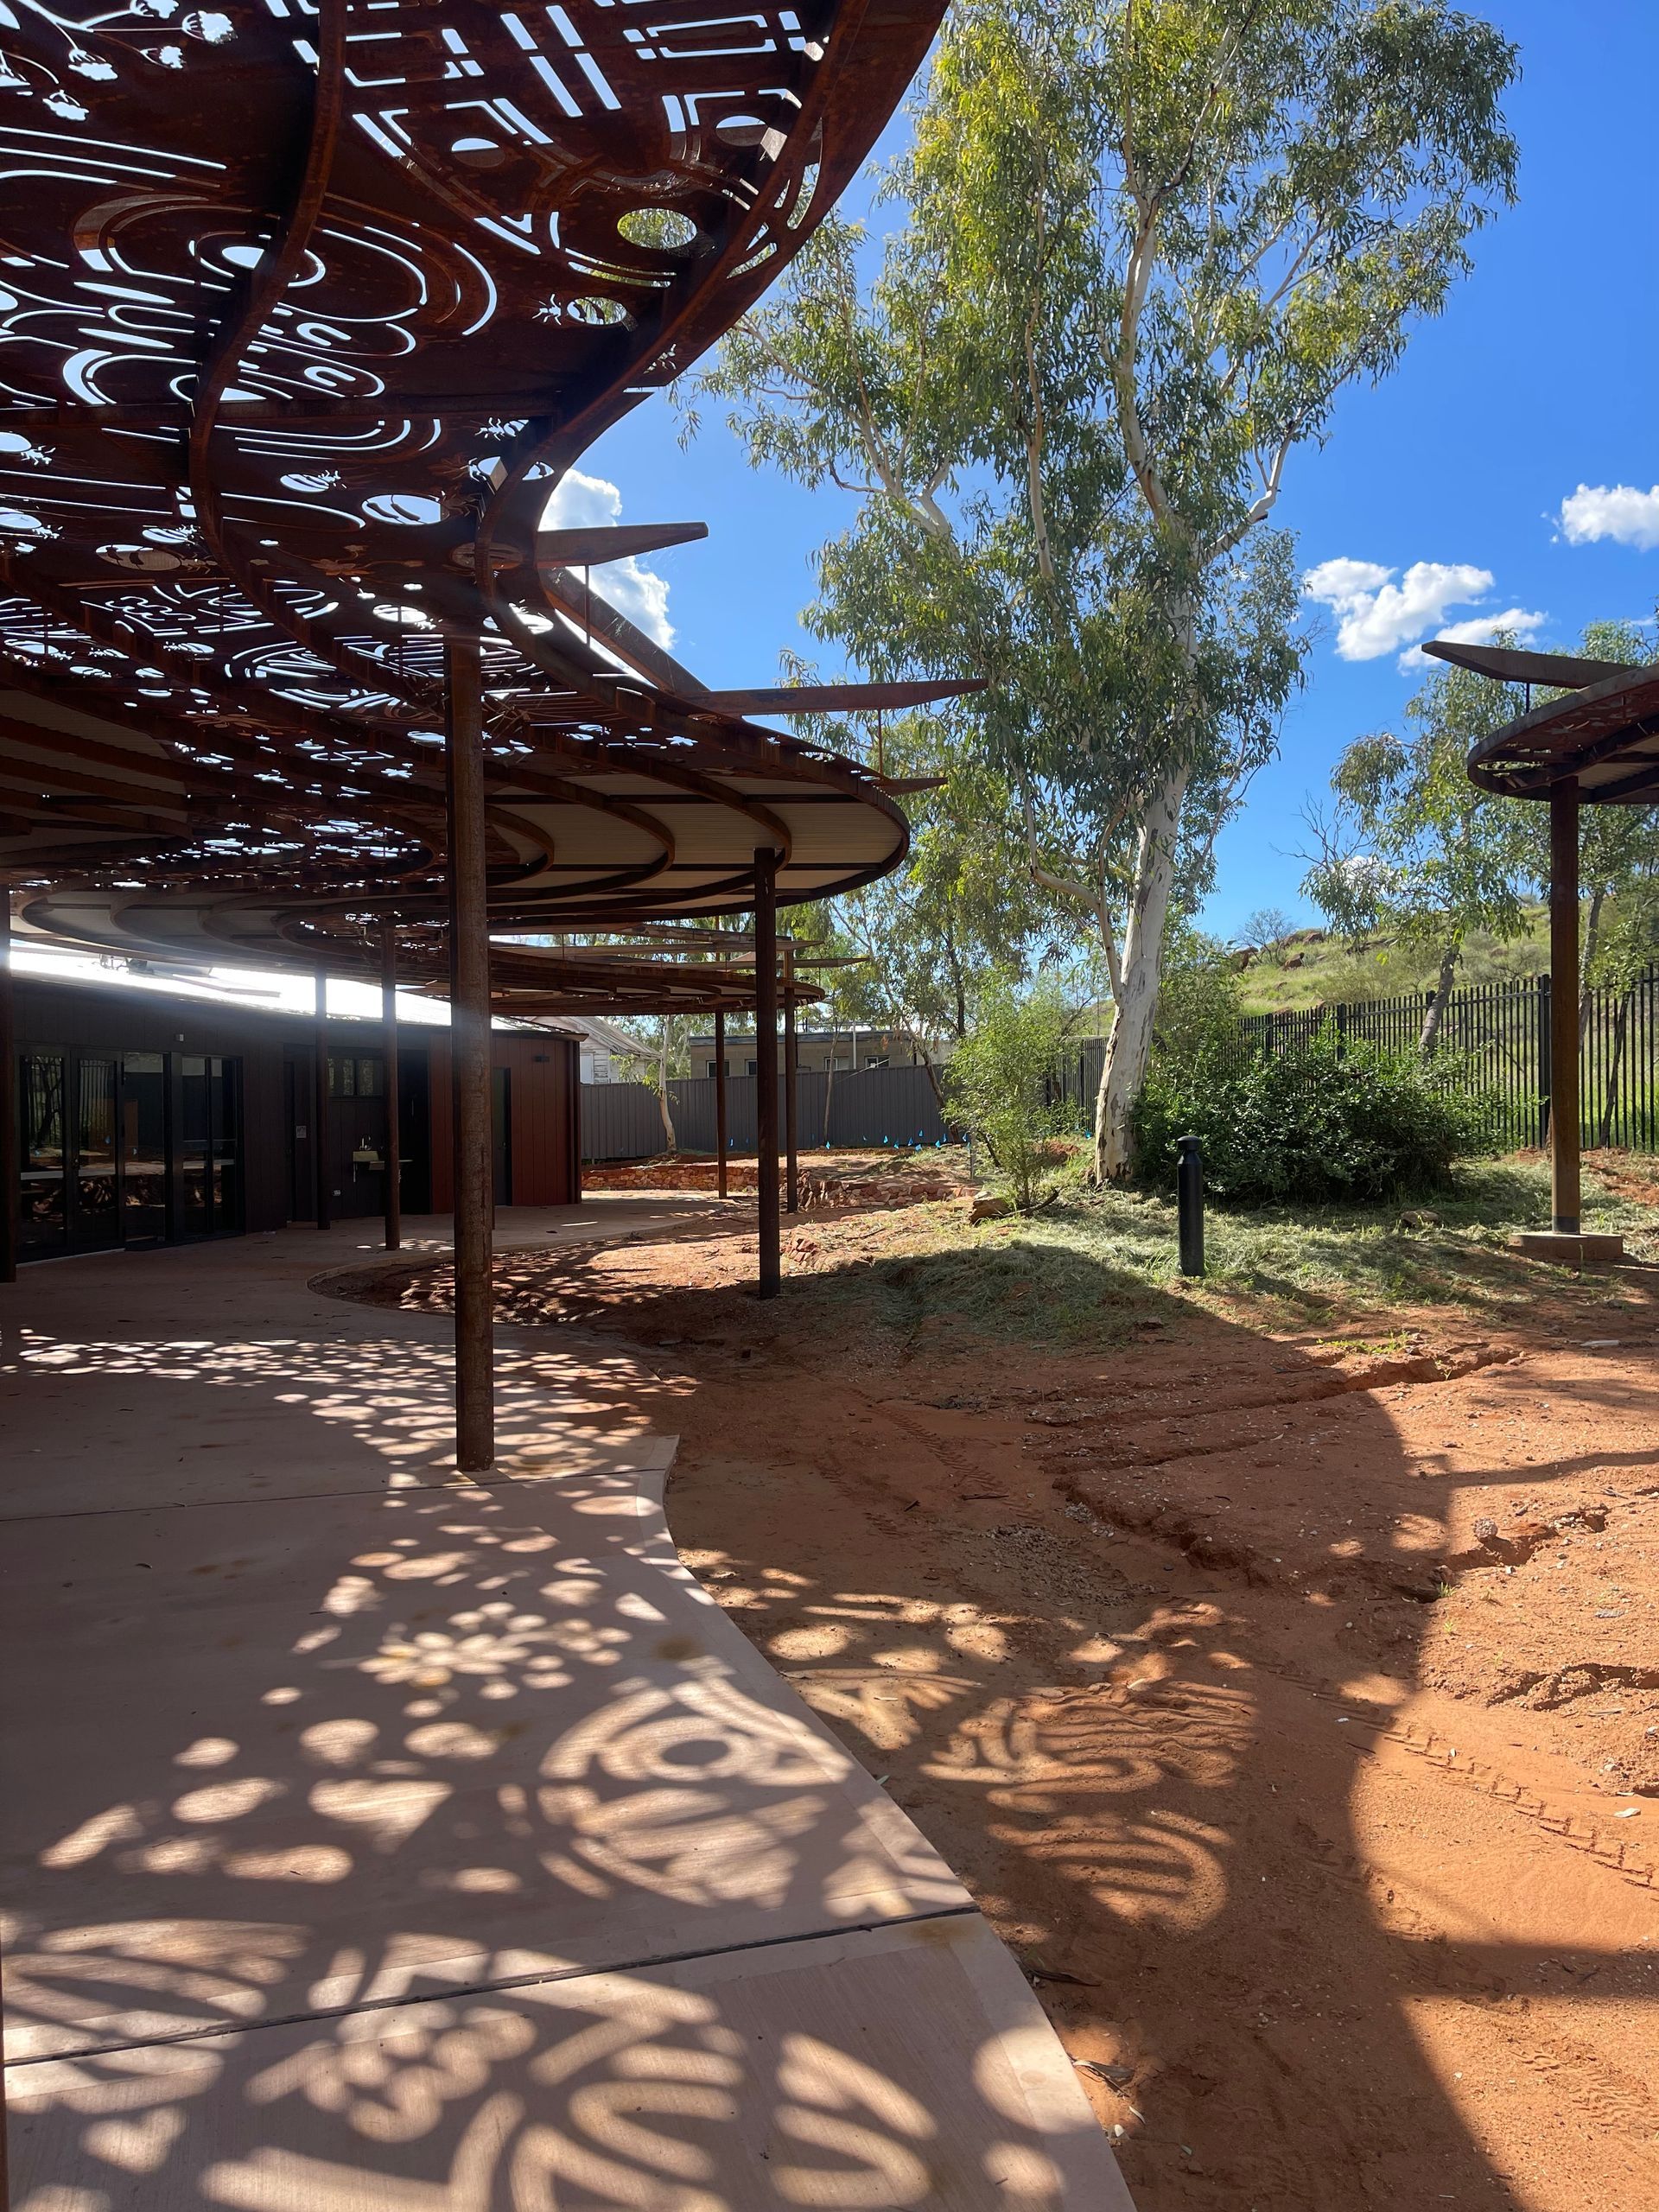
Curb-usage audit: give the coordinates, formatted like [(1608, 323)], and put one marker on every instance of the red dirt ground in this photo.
[(1291, 1704), (845, 1179)]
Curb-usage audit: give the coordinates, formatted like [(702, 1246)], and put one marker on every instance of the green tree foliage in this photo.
[(1416, 850), (1412, 849), (997, 1081), (1146, 244), (1324, 1122), (1200, 1005), (661, 1050), (1618, 858), (963, 908)]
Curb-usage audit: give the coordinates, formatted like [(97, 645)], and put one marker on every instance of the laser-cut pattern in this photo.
[(304, 309)]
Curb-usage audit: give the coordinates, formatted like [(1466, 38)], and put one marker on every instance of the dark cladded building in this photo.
[(144, 1119)]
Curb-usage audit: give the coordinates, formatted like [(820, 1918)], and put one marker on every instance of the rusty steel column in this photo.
[(323, 1167), (1564, 1175), (394, 1206), (10, 1165), (765, 1068), (720, 1098), (792, 1070), (470, 1059)]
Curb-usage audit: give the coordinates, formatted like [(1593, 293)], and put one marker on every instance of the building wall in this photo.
[(542, 1070), (51, 1015), (544, 1078)]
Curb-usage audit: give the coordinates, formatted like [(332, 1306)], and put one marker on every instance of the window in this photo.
[(126, 1149), (371, 1078), (751, 1067)]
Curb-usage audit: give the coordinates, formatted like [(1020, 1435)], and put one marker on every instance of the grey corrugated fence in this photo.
[(1494, 1037), (876, 1106)]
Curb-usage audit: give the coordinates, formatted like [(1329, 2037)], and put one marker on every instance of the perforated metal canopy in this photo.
[(306, 312), (1603, 734)]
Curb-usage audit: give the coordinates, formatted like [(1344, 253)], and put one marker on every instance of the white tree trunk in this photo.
[(1428, 1038), (1130, 1046), (662, 1088)]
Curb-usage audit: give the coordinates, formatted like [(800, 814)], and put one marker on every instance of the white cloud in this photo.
[(1479, 630), (586, 502), (1615, 510), (1376, 615)]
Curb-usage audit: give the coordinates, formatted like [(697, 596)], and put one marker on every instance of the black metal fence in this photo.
[(875, 1106), (1493, 1037)]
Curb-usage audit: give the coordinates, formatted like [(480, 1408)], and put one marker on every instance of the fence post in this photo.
[(1545, 1027), (1188, 1203)]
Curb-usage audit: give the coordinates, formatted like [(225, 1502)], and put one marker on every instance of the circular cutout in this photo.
[(311, 479), (591, 307), (664, 228), (410, 509), (740, 130)]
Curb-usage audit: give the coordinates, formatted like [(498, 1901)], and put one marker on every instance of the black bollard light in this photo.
[(1189, 1201)]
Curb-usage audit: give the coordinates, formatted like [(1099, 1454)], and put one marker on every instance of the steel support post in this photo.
[(322, 1164), (1188, 1203), (394, 1207), (720, 1099), (792, 1070), (765, 1068), (1565, 1204), (10, 1172), (470, 1059)]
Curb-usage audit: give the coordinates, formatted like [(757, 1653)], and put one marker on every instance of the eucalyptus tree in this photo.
[(919, 942), (658, 1051), (1144, 245)]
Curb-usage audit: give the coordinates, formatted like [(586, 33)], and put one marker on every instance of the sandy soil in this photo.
[(841, 1178), (1291, 1704)]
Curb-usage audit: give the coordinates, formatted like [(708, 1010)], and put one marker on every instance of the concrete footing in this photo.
[(1583, 1249)]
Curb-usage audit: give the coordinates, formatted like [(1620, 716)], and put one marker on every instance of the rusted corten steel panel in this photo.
[(545, 1079), (1604, 736), (309, 310)]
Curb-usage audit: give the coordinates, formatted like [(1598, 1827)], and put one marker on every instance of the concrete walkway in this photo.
[(380, 1841)]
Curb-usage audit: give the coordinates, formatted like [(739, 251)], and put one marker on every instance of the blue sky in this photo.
[(1537, 380)]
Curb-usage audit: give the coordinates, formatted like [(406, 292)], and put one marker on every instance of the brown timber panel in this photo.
[(544, 1072)]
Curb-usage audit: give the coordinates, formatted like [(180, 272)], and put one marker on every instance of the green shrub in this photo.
[(1327, 1121), (997, 1084)]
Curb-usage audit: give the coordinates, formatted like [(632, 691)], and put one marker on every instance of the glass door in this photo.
[(143, 1149), (43, 1211), (209, 1156), (95, 1211)]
